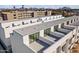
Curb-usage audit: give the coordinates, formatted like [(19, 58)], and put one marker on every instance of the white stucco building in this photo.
[(48, 34)]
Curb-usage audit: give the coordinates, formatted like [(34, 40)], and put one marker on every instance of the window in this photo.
[(62, 25), (22, 23), (71, 21), (55, 27), (34, 37), (14, 14), (14, 17), (74, 20), (13, 25), (39, 20), (73, 36), (4, 16), (32, 14), (67, 22), (30, 21), (47, 31), (46, 19)]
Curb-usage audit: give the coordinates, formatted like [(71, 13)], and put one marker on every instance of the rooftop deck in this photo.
[(40, 45)]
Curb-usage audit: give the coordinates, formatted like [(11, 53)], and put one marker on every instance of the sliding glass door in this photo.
[(34, 37), (47, 31)]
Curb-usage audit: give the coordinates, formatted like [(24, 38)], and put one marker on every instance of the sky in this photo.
[(41, 6)]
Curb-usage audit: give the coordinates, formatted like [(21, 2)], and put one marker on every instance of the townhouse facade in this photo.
[(23, 14), (49, 34)]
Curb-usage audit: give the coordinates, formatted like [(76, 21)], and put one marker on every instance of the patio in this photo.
[(40, 45)]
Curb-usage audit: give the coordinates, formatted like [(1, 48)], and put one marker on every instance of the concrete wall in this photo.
[(18, 45), (5, 40), (52, 29), (26, 40), (42, 33)]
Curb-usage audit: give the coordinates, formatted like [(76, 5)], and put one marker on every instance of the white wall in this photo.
[(52, 29), (2, 37), (18, 45), (42, 33), (26, 40), (59, 26)]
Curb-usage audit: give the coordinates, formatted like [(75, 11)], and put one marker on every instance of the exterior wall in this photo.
[(70, 22), (52, 29), (9, 15), (5, 40), (59, 26), (25, 14), (0, 18), (42, 33), (18, 46), (39, 13), (26, 40), (65, 23), (63, 47), (49, 13)]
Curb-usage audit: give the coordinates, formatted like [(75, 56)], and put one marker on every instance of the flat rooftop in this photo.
[(36, 28), (40, 45)]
